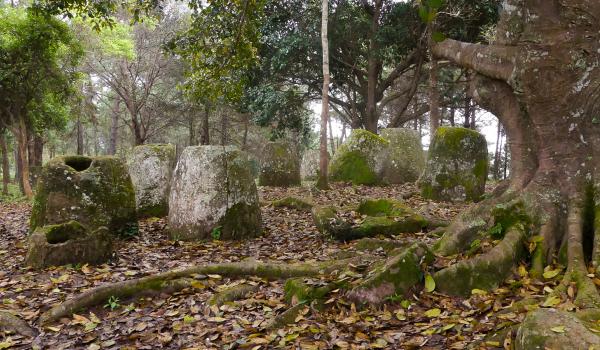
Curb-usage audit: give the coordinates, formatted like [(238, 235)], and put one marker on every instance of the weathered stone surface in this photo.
[(405, 159), (399, 275), (309, 167), (457, 166), (280, 165), (213, 195), (68, 243), (151, 169), (95, 191), (554, 329), (361, 159)]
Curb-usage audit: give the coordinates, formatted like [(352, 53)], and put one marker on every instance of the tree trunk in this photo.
[(224, 127), (79, 127), (246, 127), (5, 163), (496, 167), (205, 131), (542, 80), (331, 139), (434, 95), (114, 128), (322, 181), (21, 138)]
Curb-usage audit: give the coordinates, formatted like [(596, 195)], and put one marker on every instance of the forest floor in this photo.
[(185, 321)]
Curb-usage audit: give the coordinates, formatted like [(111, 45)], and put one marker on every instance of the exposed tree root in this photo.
[(232, 294), (13, 323), (370, 244), (460, 233), (485, 271), (287, 317), (398, 275), (164, 281)]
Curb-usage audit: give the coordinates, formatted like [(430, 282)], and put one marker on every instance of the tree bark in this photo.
[(205, 131), (434, 94), (548, 101), (322, 181), (114, 128), (21, 138), (5, 163), (79, 127)]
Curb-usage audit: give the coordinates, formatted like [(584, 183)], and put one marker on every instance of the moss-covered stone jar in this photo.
[(68, 243), (360, 160), (95, 191), (279, 165), (151, 169), (213, 195), (405, 160), (457, 166)]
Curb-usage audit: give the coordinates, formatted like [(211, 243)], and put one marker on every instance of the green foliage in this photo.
[(112, 303), (216, 233), (220, 47), (38, 54)]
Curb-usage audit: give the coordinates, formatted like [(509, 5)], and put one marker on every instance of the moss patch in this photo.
[(280, 165), (457, 166), (360, 160), (293, 203)]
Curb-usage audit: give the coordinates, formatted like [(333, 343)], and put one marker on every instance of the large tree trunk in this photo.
[(5, 163), (542, 80), (322, 181)]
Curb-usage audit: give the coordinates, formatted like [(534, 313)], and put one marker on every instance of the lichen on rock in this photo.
[(280, 165), (213, 195), (457, 166), (405, 160), (151, 169), (360, 160), (555, 329), (95, 191), (68, 243)]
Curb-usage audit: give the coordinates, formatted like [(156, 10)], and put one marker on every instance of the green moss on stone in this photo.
[(457, 166), (280, 165), (63, 232), (360, 159), (100, 195), (293, 203), (322, 217)]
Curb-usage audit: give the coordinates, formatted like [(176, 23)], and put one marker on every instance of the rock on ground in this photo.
[(555, 329), (361, 159), (213, 195), (95, 191), (457, 166), (280, 165), (406, 159), (151, 169), (68, 243)]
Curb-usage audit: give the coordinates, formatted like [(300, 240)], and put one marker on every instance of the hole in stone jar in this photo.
[(78, 163)]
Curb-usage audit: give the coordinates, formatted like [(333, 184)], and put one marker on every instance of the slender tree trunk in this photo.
[(224, 127), (434, 95), (496, 169), (452, 116), (21, 138), (5, 163), (205, 131), (373, 70), (192, 128), (79, 127), (114, 128), (331, 140), (322, 181), (246, 127)]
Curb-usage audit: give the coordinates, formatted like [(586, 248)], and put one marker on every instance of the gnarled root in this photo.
[(485, 271), (232, 294), (167, 280), (13, 323)]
